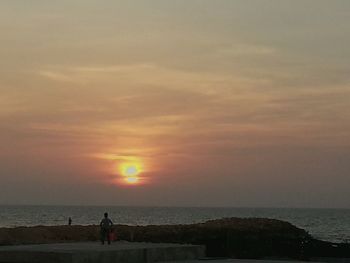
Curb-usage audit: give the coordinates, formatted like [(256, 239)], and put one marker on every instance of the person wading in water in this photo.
[(106, 227)]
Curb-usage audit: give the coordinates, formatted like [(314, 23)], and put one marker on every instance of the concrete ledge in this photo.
[(95, 253)]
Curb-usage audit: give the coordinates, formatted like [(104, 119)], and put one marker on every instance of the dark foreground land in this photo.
[(233, 237), (93, 252)]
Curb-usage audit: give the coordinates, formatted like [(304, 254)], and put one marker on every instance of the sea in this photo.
[(325, 224)]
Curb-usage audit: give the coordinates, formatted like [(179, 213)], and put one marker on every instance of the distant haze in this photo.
[(209, 102)]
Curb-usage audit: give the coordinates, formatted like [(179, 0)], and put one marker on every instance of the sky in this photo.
[(175, 103)]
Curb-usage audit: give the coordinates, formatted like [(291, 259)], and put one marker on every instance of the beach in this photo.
[(254, 238), (325, 224)]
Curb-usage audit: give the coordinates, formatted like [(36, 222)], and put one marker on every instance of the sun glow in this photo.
[(130, 169), (132, 180), (127, 169), (131, 172)]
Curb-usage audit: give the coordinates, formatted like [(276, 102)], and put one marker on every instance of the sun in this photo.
[(130, 171), (132, 180)]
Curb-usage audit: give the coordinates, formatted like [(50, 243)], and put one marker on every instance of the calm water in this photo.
[(326, 224)]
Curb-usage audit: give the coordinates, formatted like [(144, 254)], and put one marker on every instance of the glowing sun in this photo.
[(130, 172), (132, 180)]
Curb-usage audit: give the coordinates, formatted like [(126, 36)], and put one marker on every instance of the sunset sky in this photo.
[(175, 102)]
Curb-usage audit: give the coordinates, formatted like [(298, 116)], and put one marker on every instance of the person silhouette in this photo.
[(106, 226), (69, 221)]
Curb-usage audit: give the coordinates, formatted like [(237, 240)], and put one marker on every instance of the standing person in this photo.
[(106, 226), (69, 221)]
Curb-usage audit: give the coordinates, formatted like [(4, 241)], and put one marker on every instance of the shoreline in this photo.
[(324, 224), (254, 238)]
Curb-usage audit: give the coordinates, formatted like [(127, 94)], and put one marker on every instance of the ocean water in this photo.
[(326, 224)]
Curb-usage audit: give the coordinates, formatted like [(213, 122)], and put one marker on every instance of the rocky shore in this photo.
[(231, 237)]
